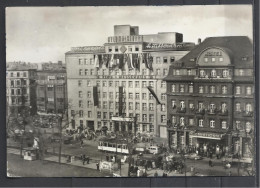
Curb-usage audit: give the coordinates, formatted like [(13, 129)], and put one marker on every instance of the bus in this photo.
[(113, 145)]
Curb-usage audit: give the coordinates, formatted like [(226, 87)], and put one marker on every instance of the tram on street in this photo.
[(113, 145)]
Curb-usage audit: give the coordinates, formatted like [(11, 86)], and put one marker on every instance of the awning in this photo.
[(207, 135)]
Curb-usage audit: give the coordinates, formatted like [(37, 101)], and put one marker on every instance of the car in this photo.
[(199, 174), (193, 156)]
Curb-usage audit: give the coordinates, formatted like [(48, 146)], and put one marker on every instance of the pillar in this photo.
[(184, 137), (240, 146), (126, 126), (120, 128)]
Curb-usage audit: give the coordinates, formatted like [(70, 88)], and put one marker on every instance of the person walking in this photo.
[(83, 159), (97, 166), (210, 163), (156, 174), (87, 159), (81, 143)]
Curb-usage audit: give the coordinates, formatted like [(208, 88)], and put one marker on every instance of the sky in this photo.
[(42, 34)]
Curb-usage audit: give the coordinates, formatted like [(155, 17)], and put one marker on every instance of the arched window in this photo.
[(224, 107), (182, 122), (248, 107), (201, 89), (173, 88), (182, 104), (225, 73), (248, 90), (212, 89)]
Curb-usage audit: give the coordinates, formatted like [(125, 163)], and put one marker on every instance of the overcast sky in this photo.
[(44, 34)]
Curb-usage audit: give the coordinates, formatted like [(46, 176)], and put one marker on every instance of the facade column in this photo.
[(120, 124), (176, 139), (126, 126), (241, 146), (184, 138)]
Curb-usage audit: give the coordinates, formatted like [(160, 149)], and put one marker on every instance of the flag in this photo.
[(123, 49), (121, 61), (111, 61), (153, 93), (96, 64), (106, 58), (95, 96), (135, 61), (100, 57), (148, 59), (120, 100)]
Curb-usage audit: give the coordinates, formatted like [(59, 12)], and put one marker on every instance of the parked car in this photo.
[(154, 149), (193, 156)]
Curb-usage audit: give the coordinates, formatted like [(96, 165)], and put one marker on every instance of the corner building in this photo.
[(83, 74), (210, 97)]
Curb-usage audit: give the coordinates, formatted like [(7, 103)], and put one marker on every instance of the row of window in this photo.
[(17, 91), (89, 61), (158, 72), (213, 59), (201, 122), (131, 84), (18, 100), (51, 88), (18, 74), (17, 83), (128, 49)]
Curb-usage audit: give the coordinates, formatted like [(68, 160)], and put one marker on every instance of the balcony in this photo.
[(223, 113), (200, 111), (248, 114), (181, 110)]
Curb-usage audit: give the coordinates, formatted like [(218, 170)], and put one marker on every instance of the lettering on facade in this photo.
[(207, 135), (213, 53), (125, 77), (168, 45), (88, 48)]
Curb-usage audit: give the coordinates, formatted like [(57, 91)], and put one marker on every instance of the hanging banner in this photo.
[(153, 93), (95, 96), (120, 100)]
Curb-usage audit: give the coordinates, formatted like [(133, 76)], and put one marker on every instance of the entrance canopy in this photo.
[(207, 135)]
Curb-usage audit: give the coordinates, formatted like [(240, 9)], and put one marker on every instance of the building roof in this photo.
[(52, 71), (19, 68), (236, 47)]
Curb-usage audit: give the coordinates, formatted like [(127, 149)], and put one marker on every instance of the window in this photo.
[(173, 103), (104, 84), (143, 71), (248, 107), (89, 104), (109, 49), (72, 112), (98, 114), (182, 121), (163, 84), (130, 84), (81, 113), (130, 95), (165, 60), (151, 96), (241, 72), (177, 72), (224, 124), (137, 106), (144, 84), (225, 73), (116, 83), (79, 83), (189, 72), (201, 89), (190, 88), (191, 105), (129, 48), (136, 48), (151, 106), (85, 61), (213, 73), (151, 83), (206, 59), (212, 107), (163, 118), (144, 117), (105, 104), (182, 104), (137, 84), (18, 74), (212, 123), (202, 73), (80, 94), (80, 103), (111, 104), (212, 89), (104, 115), (163, 96), (50, 87), (158, 72), (124, 83), (117, 72), (213, 59), (224, 89), (220, 59), (163, 107), (110, 115), (158, 60), (12, 74), (144, 96), (130, 106), (110, 83), (182, 88), (238, 107), (144, 107), (224, 107), (238, 90), (172, 59), (174, 120), (200, 122), (111, 95), (86, 71), (104, 95), (151, 118), (116, 48), (80, 61), (249, 90), (173, 88), (80, 72)]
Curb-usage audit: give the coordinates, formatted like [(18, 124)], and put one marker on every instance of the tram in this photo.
[(113, 145)]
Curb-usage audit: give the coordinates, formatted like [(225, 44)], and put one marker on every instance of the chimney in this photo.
[(199, 40)]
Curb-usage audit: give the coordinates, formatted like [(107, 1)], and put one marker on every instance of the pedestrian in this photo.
[(156, 174), (81, 143), (97, 166), (87, 159), (83, 159), (210, 163)]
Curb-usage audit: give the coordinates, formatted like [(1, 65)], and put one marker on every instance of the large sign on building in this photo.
[(207, 135), (168, 46)]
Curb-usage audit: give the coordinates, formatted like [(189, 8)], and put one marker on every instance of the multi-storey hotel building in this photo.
[(210, 97), (83, 74)]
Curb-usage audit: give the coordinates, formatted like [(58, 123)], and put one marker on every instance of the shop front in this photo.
[(209, 144)]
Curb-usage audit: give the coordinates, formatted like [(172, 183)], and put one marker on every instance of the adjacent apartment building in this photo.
[(20, 90), (117, 75), (210, 97)]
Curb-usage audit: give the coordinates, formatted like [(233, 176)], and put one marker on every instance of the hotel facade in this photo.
[(140, 111), (210, 97)]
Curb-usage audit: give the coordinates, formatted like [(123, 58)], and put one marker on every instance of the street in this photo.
[(19, 167)]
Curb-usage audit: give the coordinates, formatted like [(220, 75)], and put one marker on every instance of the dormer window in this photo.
[(192, 59), (206, 59)]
